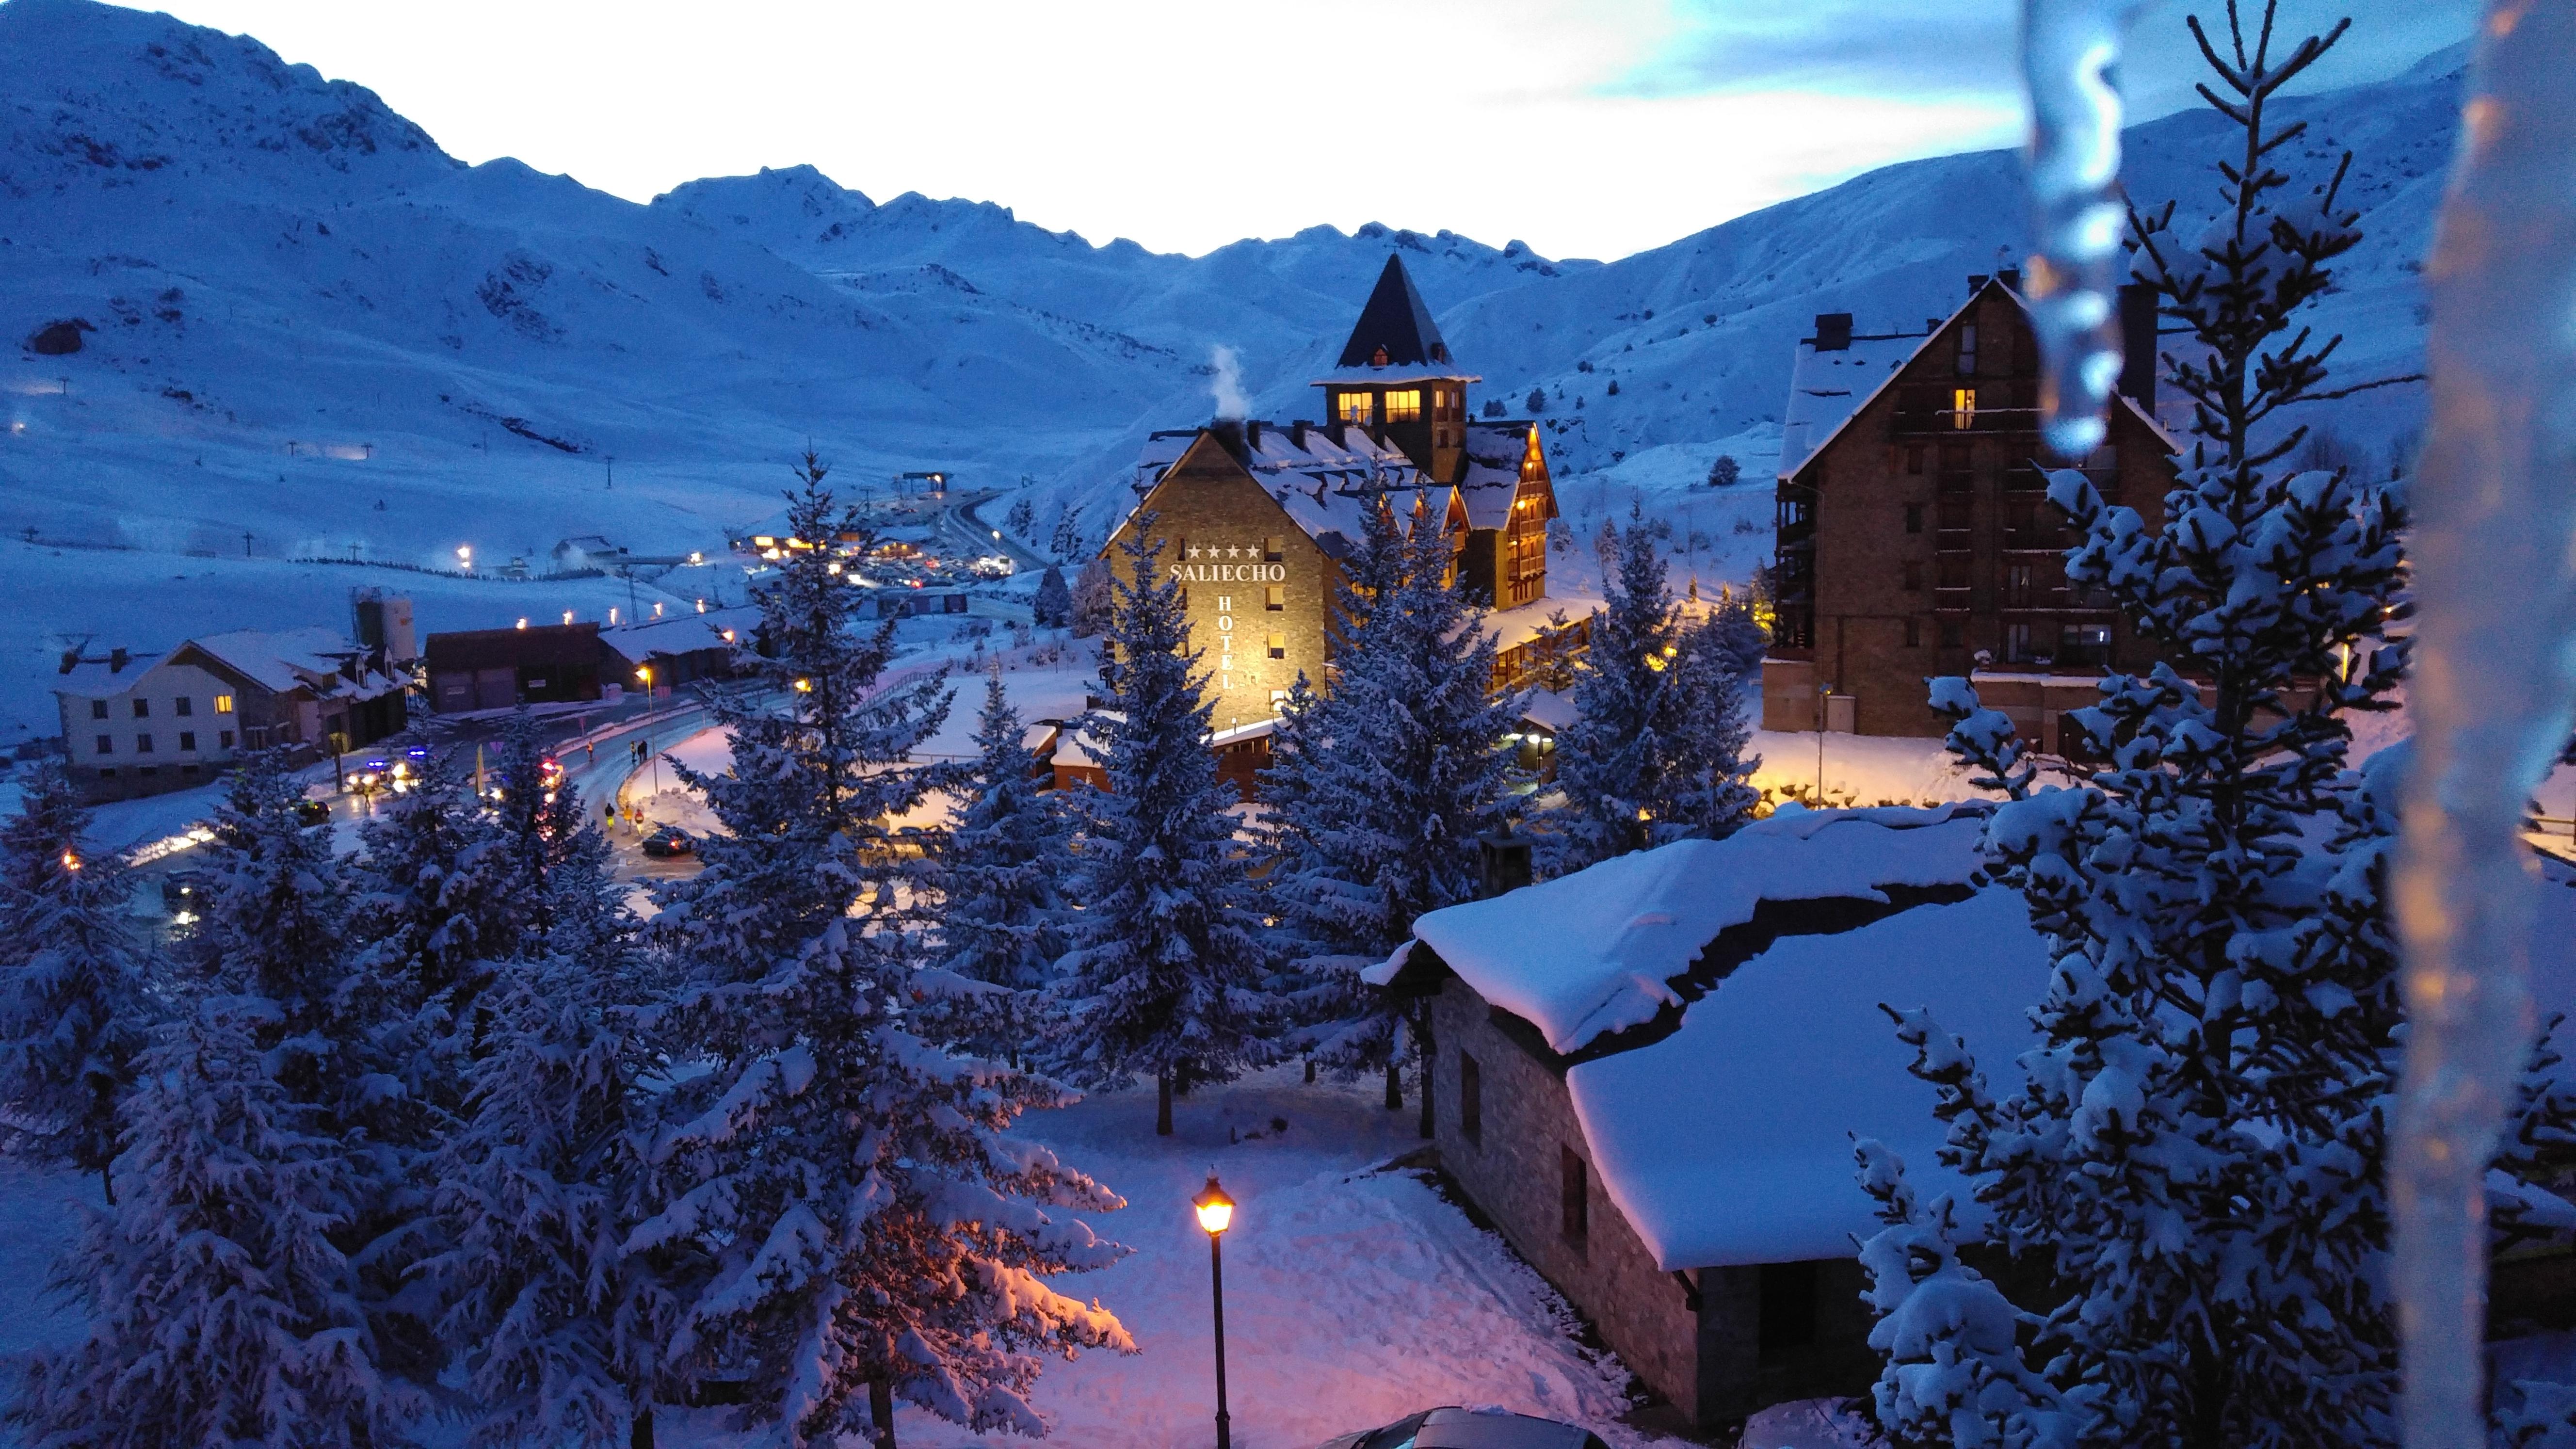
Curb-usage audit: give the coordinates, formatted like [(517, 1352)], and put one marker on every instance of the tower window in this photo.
[(1405, 406), (1356, 407)]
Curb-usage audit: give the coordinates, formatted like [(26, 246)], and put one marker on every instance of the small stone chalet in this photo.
[(1649, 1074), (659, 655), (141, 724)]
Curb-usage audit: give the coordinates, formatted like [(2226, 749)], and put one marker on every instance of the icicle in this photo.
[(2494, 678), (2067, 53)]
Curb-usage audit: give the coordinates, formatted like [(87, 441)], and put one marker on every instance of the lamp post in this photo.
[(1216, 1214), (1824, 697)]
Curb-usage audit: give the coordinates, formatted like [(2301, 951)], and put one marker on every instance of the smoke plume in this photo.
[(1228, 386)]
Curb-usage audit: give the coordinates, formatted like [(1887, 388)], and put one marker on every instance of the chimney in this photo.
[(1833, 331), (2138, 345), (117, 659), (1252, 434), (1339, 432), (1229, 436), (2010, 277), (71, 660), (1976, 283), (1297, 433)]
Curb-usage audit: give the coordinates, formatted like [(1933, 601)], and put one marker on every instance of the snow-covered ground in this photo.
[(1354, 1296)]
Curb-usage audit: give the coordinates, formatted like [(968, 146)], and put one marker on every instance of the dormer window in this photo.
[(1378, 358)]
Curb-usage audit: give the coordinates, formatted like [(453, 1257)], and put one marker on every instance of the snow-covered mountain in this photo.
[(308, 332)]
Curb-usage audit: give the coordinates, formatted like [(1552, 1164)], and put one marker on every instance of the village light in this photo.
[(73, 862), (465, 556), (804, 686), (645, 673), (523, 621), (1216, 1214)]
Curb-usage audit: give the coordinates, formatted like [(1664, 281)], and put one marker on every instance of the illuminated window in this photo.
[(1276, 599), (1272, 548), (1963, 407), (1278, 646), (223, 704), (1356, 407), (1405, 406)]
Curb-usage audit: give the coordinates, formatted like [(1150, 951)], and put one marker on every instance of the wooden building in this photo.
[(142, 724), (504, 668), (1915, 536), (1254, 517)]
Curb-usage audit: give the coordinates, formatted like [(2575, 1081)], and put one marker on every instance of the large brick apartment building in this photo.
[(1915, 534)]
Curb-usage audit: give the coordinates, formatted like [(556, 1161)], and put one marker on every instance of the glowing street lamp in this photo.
[(1216, 1214), (465, 557)]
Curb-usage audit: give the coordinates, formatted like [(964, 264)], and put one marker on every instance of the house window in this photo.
[(1471, 1101), (1787, 1316), (2017, 586), (1405, 406), (1914, 512), (107, 774), (1914, 575), (1914, 458), (1963, 407), (98, 709), (106, 746), (1968, 350), (1574, 1199), (2017, 643), (1356, 407), (143, 709), (184, 706), (142, 744), (1278, 646), (1275, 598), (1913, 632), (187, 740), (224, 739), (1273, 549), (223, 704), (1953, 636)]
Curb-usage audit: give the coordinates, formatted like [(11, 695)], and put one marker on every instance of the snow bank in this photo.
[(1731, 1140), (1592, 952)]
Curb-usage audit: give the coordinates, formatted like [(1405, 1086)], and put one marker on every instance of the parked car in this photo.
[(669, 841), (1455, 1428), (309, 811)]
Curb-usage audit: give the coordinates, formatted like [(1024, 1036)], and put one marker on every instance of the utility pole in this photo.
[(245, 543), (612, 473)]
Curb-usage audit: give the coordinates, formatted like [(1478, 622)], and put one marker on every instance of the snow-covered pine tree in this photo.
[(558, 1329), (437, 898), (2195, 1162), (821, 768), (72, 998), (1704, 792), (1739, 633), (1379, 790), (1613, 761), (860, 1226), (1094, 602), (1165, 975), (223, 1308), (1001, 917), (1053, 604)]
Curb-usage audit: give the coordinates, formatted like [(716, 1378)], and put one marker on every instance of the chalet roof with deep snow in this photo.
[(1394, 322)]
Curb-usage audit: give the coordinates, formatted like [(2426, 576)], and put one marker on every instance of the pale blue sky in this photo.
[(1586, 127)]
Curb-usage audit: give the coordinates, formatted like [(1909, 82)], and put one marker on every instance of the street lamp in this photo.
[(1824, 698), (1216, 1214)]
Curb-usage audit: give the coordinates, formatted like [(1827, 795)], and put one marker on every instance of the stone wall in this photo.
[(1513, 1175)]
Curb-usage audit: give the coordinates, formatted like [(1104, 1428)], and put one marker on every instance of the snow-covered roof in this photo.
[(1394, 323), (1549, 710), (1325, 483), (279, 660), (104, 678), (1595, 951), (1493, 479), (1827, 388), (1393, 374), (678, 633), (1730, 1141)]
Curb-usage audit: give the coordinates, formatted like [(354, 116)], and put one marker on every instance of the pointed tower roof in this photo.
[(1395, 329)]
